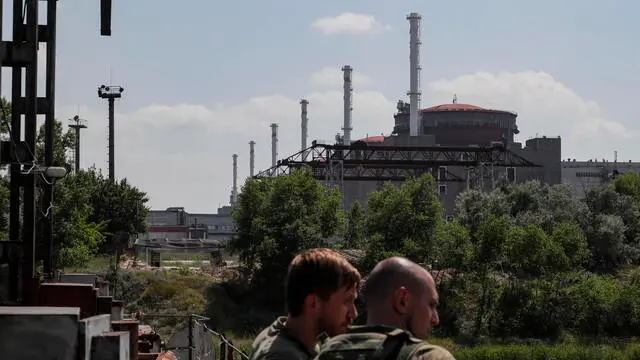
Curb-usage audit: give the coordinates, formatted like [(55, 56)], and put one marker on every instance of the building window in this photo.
[(442, 189), (589, 174), (442, 173), (511, 174)]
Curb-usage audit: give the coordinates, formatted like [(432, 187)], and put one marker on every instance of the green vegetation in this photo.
[(522, 264), (92, 215)]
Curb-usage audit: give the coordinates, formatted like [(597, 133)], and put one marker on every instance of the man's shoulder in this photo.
[(426, 351), (273, 344)]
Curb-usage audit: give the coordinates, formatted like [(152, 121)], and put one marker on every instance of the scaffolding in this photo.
[(335, 164)]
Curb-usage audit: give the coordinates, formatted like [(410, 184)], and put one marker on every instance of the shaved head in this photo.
[(392, 273), (401, 293)]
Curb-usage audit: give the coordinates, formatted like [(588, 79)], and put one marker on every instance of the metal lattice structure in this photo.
[(360, 162)]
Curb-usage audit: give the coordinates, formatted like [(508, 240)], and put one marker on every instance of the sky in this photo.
[(202, 78)]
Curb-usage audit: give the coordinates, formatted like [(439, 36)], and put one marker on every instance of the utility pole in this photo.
[(111, 93), (26, 246), (77, 124)]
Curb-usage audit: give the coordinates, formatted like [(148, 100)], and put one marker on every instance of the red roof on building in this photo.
[(462, 107), (371, 139), (454, 107)]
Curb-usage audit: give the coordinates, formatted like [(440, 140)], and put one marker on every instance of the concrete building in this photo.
[(175, 224), (583, 175), (460, 126)]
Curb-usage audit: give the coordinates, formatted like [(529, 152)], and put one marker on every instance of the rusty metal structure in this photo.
[(335, 164), (31, 239)]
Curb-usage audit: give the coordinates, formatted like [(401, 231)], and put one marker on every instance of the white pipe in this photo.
[(234, 191), (348, 104), (251, 157), (274, 144), (304, 123), (414, 73)]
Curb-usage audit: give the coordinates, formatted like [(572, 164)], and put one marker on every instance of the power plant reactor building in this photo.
[(462, 146)]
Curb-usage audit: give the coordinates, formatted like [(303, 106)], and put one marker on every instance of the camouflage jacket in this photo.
[(380, 343), (276, 342)]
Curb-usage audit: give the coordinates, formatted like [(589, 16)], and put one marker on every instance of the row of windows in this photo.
[(220, 227), (589, 174)]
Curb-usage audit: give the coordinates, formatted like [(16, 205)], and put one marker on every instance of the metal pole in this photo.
[(16, 133), (112, 143), (190, 337), (77, 150), (30, 133), (48, 231)]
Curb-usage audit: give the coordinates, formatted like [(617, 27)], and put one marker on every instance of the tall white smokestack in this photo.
[(234, 191), (348, 105), (252, 157), (304, 123), (414, 77), (274, 144)]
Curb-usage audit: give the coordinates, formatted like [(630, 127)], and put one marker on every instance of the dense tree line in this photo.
[(92, 215), (521, 261)]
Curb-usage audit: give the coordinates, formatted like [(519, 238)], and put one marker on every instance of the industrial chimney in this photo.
[(274, 144), (234, 191), (304, 122), (252, 155), (348, 105), (414, 74)]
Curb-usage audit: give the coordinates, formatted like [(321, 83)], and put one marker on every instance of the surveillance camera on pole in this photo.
[(111, 93)]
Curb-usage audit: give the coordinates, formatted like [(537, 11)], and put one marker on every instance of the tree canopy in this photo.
[(520, 260), (87, 208)]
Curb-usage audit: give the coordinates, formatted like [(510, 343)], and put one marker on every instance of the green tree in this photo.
[(5, 115), (452, 248), (355, 233), (406, 217), (531, 252), (278, 217), (120, 206), (63, 143), (575, 248), (491, 244), (612, 226)]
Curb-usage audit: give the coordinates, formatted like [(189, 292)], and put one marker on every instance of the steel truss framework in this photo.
[(338, 163)]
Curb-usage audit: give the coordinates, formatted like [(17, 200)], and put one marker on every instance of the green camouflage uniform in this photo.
[(276, 342), (380, 343)]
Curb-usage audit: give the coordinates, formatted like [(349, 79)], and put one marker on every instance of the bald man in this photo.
[(401, 300)]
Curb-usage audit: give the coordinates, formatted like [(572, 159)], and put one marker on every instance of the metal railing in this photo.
[(200, 340), (228, 351)]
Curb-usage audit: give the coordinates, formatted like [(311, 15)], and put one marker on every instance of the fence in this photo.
[(196, 341), (205, 345)]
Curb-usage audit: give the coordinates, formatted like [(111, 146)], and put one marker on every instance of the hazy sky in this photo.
[(204, 77)]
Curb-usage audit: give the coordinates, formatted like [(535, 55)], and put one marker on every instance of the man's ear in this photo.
[(401, 300), (311, 302)]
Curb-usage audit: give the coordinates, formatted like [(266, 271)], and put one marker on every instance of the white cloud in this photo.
[(332, 77), (180, 154), (349, 23)]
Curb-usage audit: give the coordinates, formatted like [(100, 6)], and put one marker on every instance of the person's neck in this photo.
[(304, 329), (385, 319)]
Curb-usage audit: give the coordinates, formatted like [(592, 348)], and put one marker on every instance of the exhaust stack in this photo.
[(348, 104), (304, 123), (252, 157), (274, 144), (234, 190), (414, 74)]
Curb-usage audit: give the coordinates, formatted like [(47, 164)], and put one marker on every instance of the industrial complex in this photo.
[(463, 146)]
